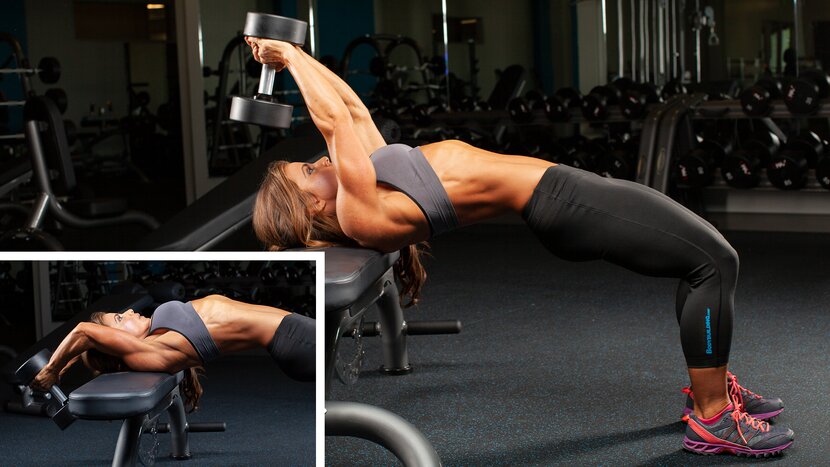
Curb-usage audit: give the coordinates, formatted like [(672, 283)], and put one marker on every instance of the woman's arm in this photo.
[(364, 125), (137, 354)]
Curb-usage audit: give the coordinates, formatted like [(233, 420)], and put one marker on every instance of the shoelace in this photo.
[(732, 379), (738, 414), (736, 391)]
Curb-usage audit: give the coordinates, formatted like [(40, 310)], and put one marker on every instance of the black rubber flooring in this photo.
[(269, 417), (580, 363)]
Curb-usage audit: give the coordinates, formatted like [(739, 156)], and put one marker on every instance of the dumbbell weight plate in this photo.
[(694, 170), (741, 169), (823, 172), (788, 170), (519, 110), (616, 164), (261, 112), (275, 27), (595, 104), (389, 129), (756, 101), (49, 70), (802, 96), (26, 373)]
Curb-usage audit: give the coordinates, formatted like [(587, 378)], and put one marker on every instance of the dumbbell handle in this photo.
[(58, 395), (267, 79)]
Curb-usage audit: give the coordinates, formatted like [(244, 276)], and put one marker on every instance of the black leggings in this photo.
[(293, 346), (580, 216)]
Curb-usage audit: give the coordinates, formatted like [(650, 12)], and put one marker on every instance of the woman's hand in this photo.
[(270, 52), (45, 379)]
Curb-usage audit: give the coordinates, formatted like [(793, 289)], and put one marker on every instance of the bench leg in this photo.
[(382, 427), (178, 428), (126, 449), (393, 338)]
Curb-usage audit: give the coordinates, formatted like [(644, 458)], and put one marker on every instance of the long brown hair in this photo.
[(99, 362), (284, 218)]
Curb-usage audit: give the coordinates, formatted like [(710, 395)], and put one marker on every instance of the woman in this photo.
[(393, 197), (184, 336)]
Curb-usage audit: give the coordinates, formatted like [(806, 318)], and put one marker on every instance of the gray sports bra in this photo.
[(407, 170), (182, 318)]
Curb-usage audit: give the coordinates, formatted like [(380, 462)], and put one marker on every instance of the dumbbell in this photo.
[(468, 104), (696, 168), (521, 109), (558, 106), (823, 171), (636, 98), (57, 408), (673, 88), (48, 70), (422, 113), (585, 153), (389, 129), (742, 168), (802, 96), (262, 109), (756, 100), (620, 161), (595, 105), (788, 169)]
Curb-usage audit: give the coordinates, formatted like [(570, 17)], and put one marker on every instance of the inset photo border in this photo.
[(211, 356)]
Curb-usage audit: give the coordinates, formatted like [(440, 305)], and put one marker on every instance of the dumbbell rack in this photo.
[(762, 208)]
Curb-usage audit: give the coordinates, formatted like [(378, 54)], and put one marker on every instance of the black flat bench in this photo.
[(138, 398), (357, 279)]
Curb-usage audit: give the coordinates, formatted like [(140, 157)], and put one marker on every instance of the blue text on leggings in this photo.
[(708, 331)]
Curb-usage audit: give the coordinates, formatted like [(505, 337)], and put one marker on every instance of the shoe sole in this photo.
[(709, 449), (760, 416)]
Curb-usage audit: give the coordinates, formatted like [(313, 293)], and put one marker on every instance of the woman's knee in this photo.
[(726, 257)]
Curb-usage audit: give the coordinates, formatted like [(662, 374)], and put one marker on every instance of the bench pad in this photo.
[(116, 396), (350, 271)]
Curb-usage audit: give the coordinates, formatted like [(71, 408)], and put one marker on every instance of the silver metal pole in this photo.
[(697, 41), (674, 33), (646, 42), (312, 26), (796, 30), (682, 53), (446, 52), (660, 51), (620, 42), (633, 24)]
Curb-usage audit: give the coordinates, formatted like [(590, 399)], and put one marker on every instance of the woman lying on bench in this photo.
[(204, 329), (393, 197)]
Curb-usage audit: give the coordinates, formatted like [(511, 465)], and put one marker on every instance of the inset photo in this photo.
[(133, 362)]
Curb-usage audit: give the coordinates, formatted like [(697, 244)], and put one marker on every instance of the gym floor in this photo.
[(564, 363), (269, 417)]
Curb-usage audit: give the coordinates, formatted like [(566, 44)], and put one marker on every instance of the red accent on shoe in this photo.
[(716, 418)]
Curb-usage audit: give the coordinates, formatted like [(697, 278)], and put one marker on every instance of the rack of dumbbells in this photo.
[(289, 285), (768, 148)]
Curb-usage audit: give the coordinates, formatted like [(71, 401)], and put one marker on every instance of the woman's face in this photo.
[(318, 179), (128, 321)]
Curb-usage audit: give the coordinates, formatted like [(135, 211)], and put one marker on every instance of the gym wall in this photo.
[(508, 33), (92, 72)]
